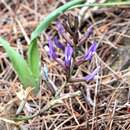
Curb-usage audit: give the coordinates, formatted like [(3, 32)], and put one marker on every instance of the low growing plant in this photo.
[(28, 70)]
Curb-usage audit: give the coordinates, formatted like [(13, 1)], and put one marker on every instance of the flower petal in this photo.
[(58, 44), (60, 28), (52, 52), (92, 75), (91, 51), (68, 55)]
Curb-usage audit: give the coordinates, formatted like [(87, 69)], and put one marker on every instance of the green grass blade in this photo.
[(19, 64)]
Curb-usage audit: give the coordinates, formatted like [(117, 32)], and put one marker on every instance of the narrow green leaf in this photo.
[(107, 4), (19, 64)]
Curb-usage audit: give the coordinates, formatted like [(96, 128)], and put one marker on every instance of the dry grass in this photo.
[(100, 105)]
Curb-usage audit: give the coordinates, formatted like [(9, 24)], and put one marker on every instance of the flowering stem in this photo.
[(45, 23)]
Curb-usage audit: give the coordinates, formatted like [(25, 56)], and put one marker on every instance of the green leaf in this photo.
[(107, 4), (34, 61), (19, 64)]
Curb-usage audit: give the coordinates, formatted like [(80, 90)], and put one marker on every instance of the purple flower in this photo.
[(68, 55), (60, 28), (52, 51), (91, 51), (92, 75), (58, 44)]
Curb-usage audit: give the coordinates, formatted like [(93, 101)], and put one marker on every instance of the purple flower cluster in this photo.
[(68, 50)]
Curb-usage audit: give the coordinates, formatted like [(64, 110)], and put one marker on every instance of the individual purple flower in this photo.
[(60, 28), (68, 55), (91, 51), (52, 51), (92, 75), (58, 44)]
